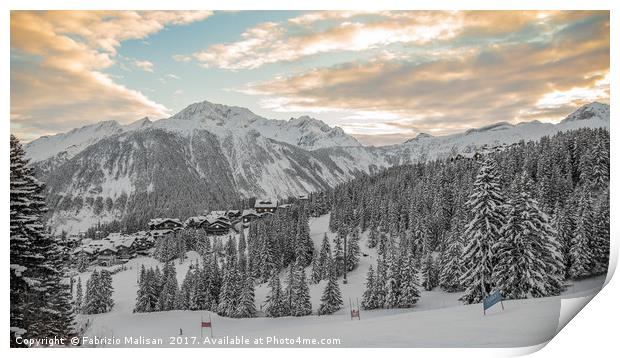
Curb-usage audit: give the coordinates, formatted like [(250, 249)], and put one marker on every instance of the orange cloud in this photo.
[(512, 81), (272, 42), (58, 58)]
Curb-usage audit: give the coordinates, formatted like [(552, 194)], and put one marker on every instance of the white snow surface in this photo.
[(438, 320)]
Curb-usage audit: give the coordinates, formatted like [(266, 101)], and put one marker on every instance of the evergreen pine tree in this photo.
[(78, 296), (246, 307), (369, 301), (300, 303), (393, 281), (486, 202), (169, 289), (429, 273), (331, 300), (373, 238), (452, 261), (324, 257), (41, 303), (316, 275), (274, 303), (353, 250), (409, 292)]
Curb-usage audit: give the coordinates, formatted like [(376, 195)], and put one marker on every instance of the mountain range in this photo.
[(208, 156)]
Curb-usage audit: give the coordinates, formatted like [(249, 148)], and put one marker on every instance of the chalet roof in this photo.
[(249, 212), (158, 221), (208, 219), (213, 218), (266, 203), (235, 212), (196, 220), (95, 246)]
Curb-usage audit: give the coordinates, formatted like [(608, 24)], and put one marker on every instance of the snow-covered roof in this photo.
[(195, 220), (285, 206), (95, 246), (209, 219), (266, 203), (249, 212), (158, 221)]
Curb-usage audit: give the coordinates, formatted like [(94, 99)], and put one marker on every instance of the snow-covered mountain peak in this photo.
[(419, 137), (225, 121), (71, 142), (139, 124), (207, 113), (591, 110)]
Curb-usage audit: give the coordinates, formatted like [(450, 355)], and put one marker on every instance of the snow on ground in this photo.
[(438, 320)]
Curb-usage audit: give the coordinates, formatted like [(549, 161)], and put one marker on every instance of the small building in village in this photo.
[(165, 224), (265, 205), (248, 216), (114, 249), (233, 215), (213, 224)]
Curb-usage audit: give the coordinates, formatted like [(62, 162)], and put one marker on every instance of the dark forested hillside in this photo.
[(563, 179)]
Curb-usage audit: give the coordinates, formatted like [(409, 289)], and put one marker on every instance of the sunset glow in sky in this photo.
[(382, 76)]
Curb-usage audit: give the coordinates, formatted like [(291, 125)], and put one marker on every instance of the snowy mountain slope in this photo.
[(140, 174), (222, 153), (522, 323), (424, 146), (224, 121)]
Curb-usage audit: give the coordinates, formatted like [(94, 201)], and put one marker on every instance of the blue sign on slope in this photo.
[(491, 300)]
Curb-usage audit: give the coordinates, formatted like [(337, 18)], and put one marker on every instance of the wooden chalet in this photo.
[(165, 224), (248, 216), (233, 214), (216, 225), (265, 205)]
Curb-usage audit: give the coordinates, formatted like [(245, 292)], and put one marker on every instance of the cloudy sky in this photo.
[(383, 76)]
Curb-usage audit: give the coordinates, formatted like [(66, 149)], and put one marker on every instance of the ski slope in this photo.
[(438, 320)]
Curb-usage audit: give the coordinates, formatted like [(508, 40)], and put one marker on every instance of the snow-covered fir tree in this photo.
[(169, 288), (353, 249), (41, 301), (527, 256), (98, 296), (373, 238), (580, 253), (429, 272), (324, 257), (409, 291), (78, 296), (246, 307), (600, 243), (452, 260), (338, 254), (331, 300), (392, 280), (300, 292), (230, 292), (369, 297), (317, 273), (275, 305), (486, 203)]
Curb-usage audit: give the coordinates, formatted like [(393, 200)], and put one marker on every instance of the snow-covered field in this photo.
[(438, 320)]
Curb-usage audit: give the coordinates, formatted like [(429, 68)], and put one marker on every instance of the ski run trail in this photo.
[(438, 319)]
